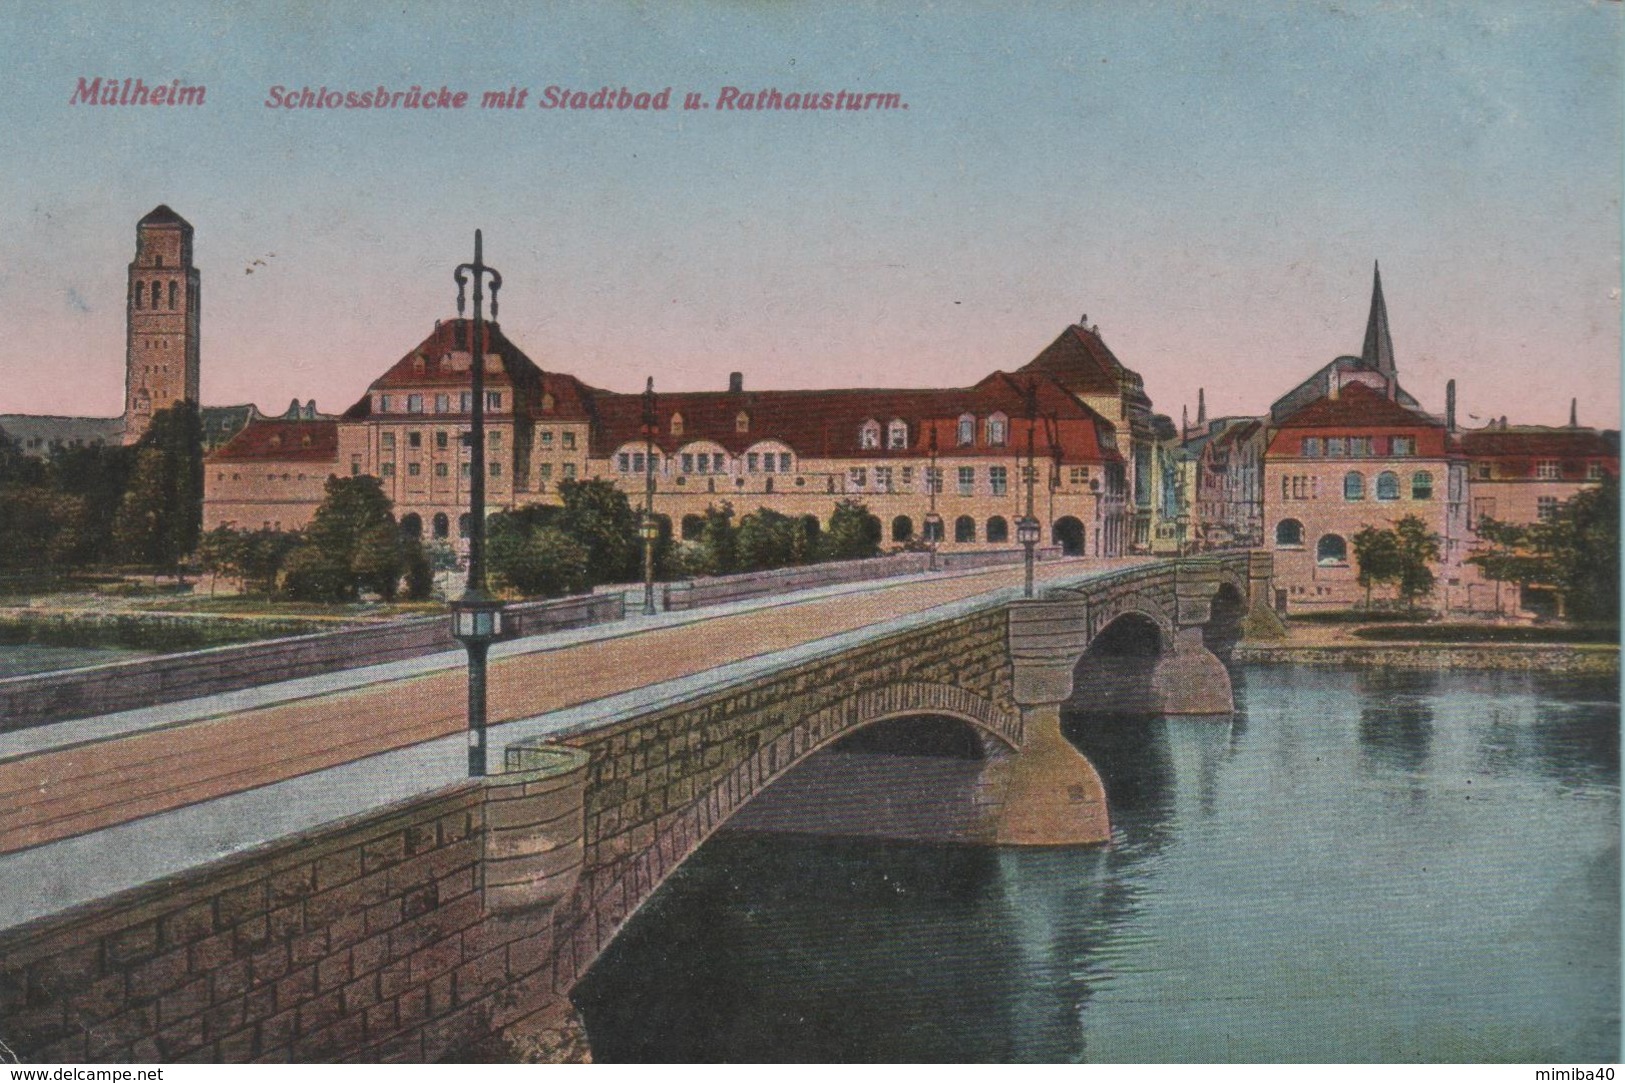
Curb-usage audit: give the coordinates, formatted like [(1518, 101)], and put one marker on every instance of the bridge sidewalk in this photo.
[(99, 804)]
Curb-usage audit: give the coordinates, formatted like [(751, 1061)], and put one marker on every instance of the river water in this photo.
[(1360, 866)]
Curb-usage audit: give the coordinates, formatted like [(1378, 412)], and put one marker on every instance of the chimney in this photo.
[(1450, 406), (1574, 413), (1336, 383), (736, 382), (1201, 406), (1184, 422), (1503, 422)]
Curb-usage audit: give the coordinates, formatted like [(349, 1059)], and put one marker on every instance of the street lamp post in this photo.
[(933, 521), (1027, 526), (476, 617), (649, 528)]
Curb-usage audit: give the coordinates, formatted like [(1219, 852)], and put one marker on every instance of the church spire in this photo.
[(1378, 352)]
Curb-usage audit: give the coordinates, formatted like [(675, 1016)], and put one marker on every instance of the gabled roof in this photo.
[(1320, 382), (828, 423), (429, 363), (1357, 405), (276, 440), (1080, 362), (1537, 440)]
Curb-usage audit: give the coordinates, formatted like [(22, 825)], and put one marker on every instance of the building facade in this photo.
[(962, 454)]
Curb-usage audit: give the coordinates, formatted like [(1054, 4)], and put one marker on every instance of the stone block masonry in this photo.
[(366, 941), (659, 784)]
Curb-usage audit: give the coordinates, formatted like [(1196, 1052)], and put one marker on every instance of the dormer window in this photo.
[(897, 435), (869, 435), (998, 430), (967, 430), (275, 440), (547, 402), (676, 427), (417, 363), (742, 422), (304, 440)]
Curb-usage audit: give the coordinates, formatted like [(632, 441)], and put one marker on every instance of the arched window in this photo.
[(1331, 550), (156, 288), (140, 293), (869, 435), (693, 527), (677, 424), (897, 435), (902, 528), (1387, 485), (463, 522), (998, 530), (1421, 485), (442, 525), (967, 430), (1354, 485), (964, 529), (412, 525), (931, 529), (172, 293), (998, 430), (1289, 534)]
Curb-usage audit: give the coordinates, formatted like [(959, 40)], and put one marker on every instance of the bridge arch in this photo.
[(612, 888)]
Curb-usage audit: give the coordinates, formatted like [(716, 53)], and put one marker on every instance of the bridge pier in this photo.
[(1190, 679), (1053, 795)]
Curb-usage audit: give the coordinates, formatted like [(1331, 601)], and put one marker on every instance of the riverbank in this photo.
[(1590, 659)]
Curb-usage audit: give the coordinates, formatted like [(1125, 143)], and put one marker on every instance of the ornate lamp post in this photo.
[(933, 521), (648, 527), (1027, 525), (476, 617)]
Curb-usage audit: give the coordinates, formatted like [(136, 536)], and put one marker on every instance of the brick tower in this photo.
[(161, 349)]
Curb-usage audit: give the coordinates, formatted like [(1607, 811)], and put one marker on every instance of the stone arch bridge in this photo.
[(591, 824), (467, 913)]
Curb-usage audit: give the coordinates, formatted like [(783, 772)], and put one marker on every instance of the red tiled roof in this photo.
[(276, 440), (1081, 362), (161, 215), (428, 364), (1537, 442), (828, 423), (1357, 405)]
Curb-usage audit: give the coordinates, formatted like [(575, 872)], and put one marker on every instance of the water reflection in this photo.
[(1356, 867)]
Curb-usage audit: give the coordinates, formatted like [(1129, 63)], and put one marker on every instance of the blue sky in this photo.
[(1209, 182)]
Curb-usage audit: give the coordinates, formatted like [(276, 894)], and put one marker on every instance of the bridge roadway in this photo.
[(96, 805)]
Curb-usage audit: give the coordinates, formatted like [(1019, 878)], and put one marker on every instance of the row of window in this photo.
[(385, 403), (1545, 470), (1357, 447), (1388, 486), (441, 470), (154, 290), (442, 439), (1330, 551)]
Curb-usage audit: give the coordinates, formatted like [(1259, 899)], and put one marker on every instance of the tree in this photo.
[(766, 539), (540, 563), (1376, 554), (161, 513), (352, 544), (853, 533), (719, 540), (1418, 551), (597, 515), (1576, 553)]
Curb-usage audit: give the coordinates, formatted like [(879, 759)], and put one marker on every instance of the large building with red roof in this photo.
[(796, 452), (1349, 448)]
